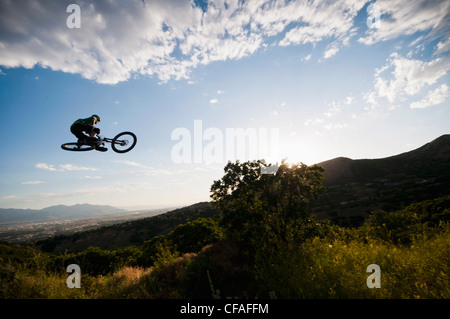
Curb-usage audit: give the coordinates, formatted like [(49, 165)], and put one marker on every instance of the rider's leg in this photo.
[(77, 130), (88, 139), (100, 148)]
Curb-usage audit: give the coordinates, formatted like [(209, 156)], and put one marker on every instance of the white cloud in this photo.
[(63, 167), (330, 52), (333, 110), (442, 46), (406, 17), (132, 163), (71, 167), (10, 197), (32, 182), (213, 101), (349, 100), (324, 20), (405, 78), (306, 58), (92, 177), (371, 98), (434, 97), (46, 167)]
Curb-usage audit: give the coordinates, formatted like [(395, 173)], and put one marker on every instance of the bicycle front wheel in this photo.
[(124, 142), (76, 147)]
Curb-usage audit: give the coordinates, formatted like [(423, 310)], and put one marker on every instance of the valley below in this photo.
[(20, 232)]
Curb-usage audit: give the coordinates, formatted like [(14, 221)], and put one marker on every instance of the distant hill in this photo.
[(128, 233), (355, 187), (10, 215), (430, 160)]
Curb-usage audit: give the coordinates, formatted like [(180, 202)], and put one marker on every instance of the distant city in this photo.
[(21, 232)]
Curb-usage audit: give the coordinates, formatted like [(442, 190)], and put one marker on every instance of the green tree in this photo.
[(257, 205)]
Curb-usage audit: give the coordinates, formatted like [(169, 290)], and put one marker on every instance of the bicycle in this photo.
[(118, 143)]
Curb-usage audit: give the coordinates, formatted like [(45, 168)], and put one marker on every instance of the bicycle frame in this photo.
[(110, 140)]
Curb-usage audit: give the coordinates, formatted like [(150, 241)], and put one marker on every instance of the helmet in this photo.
[(96, 130), (97, 117)]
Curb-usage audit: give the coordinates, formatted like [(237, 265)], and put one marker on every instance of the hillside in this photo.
[(355, 187), (126, 234), (10, 215), (430, 160)]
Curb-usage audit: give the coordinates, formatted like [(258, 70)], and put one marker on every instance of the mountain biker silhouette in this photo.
[(87, 125)]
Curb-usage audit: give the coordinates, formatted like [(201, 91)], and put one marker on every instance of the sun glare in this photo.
[(296, 152)]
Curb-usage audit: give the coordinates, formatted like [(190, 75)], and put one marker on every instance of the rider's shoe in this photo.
[(101, 149)]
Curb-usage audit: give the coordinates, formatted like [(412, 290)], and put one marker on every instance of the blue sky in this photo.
[(316, 72)]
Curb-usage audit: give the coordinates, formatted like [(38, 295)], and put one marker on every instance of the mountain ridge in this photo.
[(51, 213), (353, 188), (343, 167)]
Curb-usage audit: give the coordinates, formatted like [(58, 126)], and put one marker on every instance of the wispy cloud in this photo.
[(306, 58), (330, 52), (92, 177), (401, 78), (32, 182), (333, 110), (434, 97), (406, 17), (132, 163), (71, 167), (10, 197), (63, 167)]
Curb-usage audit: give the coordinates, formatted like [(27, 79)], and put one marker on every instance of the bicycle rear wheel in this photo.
[(123, 142), (76, 147)]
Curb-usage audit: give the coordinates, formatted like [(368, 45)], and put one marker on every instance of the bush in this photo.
[(321, 268), (402, 226), (192, 236)]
